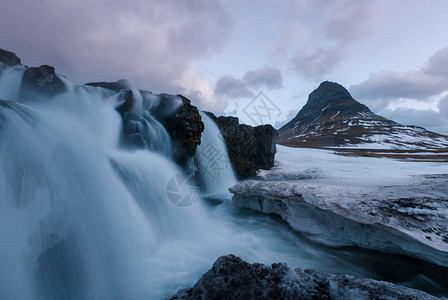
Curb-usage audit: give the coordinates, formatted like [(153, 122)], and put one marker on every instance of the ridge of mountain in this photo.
[(333, 118)]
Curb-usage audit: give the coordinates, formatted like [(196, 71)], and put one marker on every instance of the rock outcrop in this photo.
[(115, 86), (41, 81), (232, 278), (9, 58), (36, 81), (250, 148), (185, 127), (175, 113), (332, 118)]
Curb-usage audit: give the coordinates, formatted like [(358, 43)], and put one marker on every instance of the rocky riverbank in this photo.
[(232, 278), (356, 201)]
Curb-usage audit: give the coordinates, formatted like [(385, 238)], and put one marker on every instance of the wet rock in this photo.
[(41, 81), (250, 148), (180, 119), (232, 278), (116, 86), (9, 58), (120, 86), (185, 127)]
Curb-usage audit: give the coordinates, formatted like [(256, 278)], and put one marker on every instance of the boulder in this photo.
[(232, 278), (41, 81), (9, 58), (250, 148)]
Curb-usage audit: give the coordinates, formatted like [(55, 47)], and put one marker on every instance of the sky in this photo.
[(236, 56)]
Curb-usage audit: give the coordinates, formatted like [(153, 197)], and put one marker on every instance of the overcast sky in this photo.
[(391, 55)]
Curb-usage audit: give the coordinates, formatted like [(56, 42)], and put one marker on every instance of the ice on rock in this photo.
[(386, 205)]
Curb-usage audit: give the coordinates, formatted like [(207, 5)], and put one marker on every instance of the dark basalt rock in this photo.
[(120, 86), (181, 120), (331, 118), (9, 58), (232, 278), (250, 148), (116, 86), (185, 127), (41, 81)]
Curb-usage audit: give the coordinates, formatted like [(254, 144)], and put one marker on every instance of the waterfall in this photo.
[(142, 129), (10, 83), (215, 169), (83, 215)]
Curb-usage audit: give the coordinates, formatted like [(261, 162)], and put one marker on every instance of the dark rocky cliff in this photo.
[(185, 128), (250, 148)]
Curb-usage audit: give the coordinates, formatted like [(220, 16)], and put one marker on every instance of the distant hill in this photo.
[(332, 118)]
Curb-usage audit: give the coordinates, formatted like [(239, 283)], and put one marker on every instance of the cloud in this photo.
[(229, 86), (200, 91), (391, 84), (443, 108), (324, 38), (351, 20), (266, 77), (151, 43), (437, 64), (424, 87), (426, 118), (429, 119), (316, 64), (430, 80)]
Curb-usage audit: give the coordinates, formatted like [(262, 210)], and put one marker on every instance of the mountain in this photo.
[(332, 118)]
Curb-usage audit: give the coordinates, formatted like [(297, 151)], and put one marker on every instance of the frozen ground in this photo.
[(377, 203), (395, 137)]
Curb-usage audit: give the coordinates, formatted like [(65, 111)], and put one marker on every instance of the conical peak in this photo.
[(329, 92)]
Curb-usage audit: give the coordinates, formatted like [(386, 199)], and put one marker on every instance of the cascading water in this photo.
[(215, 170), (10, 83), (82, 217), (143, 130)]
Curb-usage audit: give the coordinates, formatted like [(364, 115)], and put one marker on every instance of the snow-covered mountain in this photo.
[(332, 118)]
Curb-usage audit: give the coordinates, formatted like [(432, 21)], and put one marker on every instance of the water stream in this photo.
[(84, 216)]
